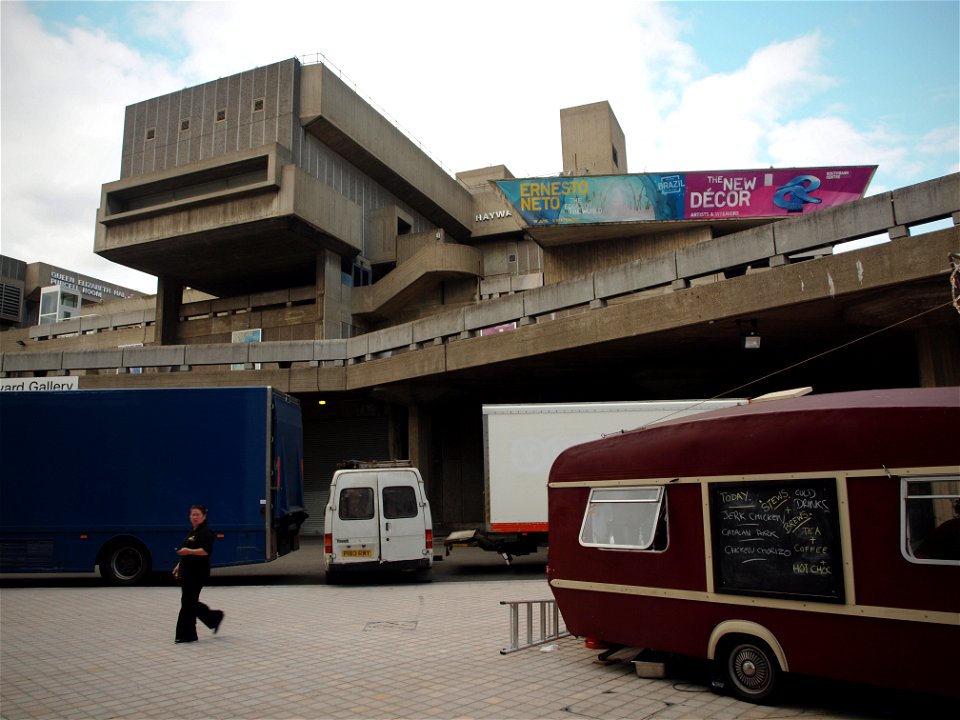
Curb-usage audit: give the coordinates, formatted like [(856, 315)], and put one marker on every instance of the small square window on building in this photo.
[(258, 105), (184, 124), (221, 115), (151, 133)]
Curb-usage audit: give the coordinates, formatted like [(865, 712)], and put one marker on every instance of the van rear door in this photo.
[(356, 524), (402, 522), (379, 516)]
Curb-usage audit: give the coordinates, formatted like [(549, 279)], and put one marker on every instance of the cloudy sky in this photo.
[(694, 85)]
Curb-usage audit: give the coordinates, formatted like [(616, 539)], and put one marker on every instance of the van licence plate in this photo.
[(356, 553)]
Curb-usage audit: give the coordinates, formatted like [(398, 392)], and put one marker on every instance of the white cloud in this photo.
[(942, 142), (476, 86), (62, 106), (833, 141), (724, 120)]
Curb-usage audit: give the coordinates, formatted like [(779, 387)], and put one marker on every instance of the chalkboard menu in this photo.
[(777, 539)]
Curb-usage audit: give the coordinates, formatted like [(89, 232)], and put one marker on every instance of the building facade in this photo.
[(41, 294), (276, 205)]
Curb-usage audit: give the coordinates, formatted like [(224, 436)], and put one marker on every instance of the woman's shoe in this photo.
[(217, 626), (183, 640)]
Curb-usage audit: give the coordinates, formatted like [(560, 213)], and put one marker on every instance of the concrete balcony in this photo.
[(248, 221)]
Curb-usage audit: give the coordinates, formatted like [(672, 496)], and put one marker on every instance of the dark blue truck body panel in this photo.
[(133, 464)]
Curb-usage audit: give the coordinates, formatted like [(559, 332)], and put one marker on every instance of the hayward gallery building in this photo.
[(301, 240)]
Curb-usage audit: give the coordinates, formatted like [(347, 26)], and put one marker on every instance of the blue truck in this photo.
[(105, 478)]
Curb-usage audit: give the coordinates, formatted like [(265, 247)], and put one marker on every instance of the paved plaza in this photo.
[(405, 650)]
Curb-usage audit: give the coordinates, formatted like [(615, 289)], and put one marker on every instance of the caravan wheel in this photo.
[(751, 670)]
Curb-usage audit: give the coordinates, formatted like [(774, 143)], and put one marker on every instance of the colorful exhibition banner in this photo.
[(721, 195)]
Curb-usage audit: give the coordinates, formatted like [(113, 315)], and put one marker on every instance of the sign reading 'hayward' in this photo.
[(720, 195)]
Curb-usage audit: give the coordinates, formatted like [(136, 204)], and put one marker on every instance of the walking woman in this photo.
[(193, 570)]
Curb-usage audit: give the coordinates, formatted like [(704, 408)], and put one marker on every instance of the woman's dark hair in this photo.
[(201, 508)]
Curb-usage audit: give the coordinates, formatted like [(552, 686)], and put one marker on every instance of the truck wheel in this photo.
[(751, 670), (125, 562)]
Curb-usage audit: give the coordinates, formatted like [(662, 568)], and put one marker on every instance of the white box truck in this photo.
[(520, 443)]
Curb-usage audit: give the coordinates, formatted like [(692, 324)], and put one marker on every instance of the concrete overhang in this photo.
[(495, 216), (412, 278), (241, 223), (557, 235), (342, 120), (244, 172)]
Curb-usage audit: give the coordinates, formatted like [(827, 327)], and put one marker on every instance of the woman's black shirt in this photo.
[(196, 568)]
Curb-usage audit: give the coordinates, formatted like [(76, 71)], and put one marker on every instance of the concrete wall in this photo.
[(325, 209), (288, 315), (407, 351), (510, 256), (356, 185), (592, 141), (385, 223), (338, 111), (493, 215), (570, 261), (243, 126)]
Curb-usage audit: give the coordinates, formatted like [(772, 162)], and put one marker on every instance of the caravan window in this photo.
[(930, 513), (627, 518)]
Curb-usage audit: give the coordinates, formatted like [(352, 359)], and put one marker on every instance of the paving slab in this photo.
[(407, 650)]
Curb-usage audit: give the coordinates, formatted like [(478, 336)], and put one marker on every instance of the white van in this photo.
[(378, 517)]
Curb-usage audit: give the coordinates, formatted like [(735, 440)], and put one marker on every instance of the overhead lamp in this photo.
[(749, 336)]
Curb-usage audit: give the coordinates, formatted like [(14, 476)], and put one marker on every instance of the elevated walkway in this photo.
[(694, 294)]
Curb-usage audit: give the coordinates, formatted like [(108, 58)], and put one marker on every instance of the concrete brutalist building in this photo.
[(277, 205)]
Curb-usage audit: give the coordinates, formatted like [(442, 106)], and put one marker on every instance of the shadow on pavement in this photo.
[(799, 693), (305, 567)]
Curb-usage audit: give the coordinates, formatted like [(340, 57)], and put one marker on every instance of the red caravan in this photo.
[(817, 535)]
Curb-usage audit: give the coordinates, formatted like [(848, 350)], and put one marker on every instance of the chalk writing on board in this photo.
[(777, 538)]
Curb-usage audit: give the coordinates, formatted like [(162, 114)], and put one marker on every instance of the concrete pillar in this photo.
[(938, 355), (327, 296), (169, 301), (320, 292), (418, 442)]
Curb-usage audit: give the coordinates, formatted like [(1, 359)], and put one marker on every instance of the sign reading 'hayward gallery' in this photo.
[(720, 195)]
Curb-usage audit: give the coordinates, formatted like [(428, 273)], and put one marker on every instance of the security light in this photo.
[(750, 335)]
